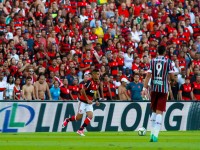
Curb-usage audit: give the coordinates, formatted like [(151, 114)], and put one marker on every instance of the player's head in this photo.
[(161, 50), (95, 74)]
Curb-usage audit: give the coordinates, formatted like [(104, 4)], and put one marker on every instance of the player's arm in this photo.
[(146, 80), (85, 95), (97, 97)]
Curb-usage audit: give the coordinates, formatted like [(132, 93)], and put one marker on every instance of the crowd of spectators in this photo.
[(48, 48)]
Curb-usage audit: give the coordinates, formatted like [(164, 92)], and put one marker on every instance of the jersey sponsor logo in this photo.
[(158, 82)]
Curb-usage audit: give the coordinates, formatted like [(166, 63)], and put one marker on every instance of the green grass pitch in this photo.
[(174, 140)]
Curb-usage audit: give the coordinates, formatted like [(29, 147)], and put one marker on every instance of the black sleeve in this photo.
[(87, 84)]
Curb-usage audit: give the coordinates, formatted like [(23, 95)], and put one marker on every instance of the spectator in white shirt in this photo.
[(83, 16), (9, 88), (188, 26), (2, 87), (14, 55), (128, 58)]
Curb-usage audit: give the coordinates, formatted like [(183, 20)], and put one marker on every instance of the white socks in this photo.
[(157, 126), (153, 120)]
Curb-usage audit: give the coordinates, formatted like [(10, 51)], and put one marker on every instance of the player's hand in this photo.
[(89, 102), (97, 103)]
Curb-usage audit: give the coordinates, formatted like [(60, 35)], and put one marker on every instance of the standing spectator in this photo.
[(181, 77), (9, 87), (185, 92), (2, 87), (28, 91), (105, 88), (128, 59), (135, 88), (196, 88), (174, 89), (113, 64), (17, 89), (93, 21), (99, 32), (123, 93), (65, 91), (74, 90), (86, 63), (112, 88), (55, 91), (41, 88), (71, 75), (196, 72), (136, 65)]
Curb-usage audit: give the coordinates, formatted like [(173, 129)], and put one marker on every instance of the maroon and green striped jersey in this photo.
[(160, 67)]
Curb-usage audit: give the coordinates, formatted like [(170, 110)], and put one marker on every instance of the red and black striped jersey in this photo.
[(65, 92), (196, 89), (186, 90), (91, 88)]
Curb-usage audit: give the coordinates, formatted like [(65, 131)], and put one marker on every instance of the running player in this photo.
[(160, 68), (85, 103)]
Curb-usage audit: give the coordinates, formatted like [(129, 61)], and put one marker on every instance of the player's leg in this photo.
[(81, 107), (153, 115), (161, 105), (89, 113)]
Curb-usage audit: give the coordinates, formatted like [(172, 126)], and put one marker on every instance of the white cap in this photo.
[(124, 80)]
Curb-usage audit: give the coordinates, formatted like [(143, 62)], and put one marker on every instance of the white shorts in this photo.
[(83, 107)]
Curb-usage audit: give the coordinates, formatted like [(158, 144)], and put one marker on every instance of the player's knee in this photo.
[(90, 117), (78, 117)]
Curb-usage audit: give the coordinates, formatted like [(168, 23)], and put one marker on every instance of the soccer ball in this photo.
[(142, 131)]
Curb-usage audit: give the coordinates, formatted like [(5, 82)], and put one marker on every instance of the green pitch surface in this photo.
[(177, 140)]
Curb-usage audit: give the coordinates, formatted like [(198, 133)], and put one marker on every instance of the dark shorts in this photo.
[(158, 101)]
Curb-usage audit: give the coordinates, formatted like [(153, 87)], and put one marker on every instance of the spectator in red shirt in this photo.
[(54, 67), (74, 90), (123, 11)]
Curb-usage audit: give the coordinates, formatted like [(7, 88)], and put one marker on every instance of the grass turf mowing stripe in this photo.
[(177, 140)]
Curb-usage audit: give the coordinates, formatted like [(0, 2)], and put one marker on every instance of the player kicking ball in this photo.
[(85, 103), (160, 69)]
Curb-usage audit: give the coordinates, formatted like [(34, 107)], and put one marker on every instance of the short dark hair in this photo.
[(161, 50), (29, 77), (95, 70)]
